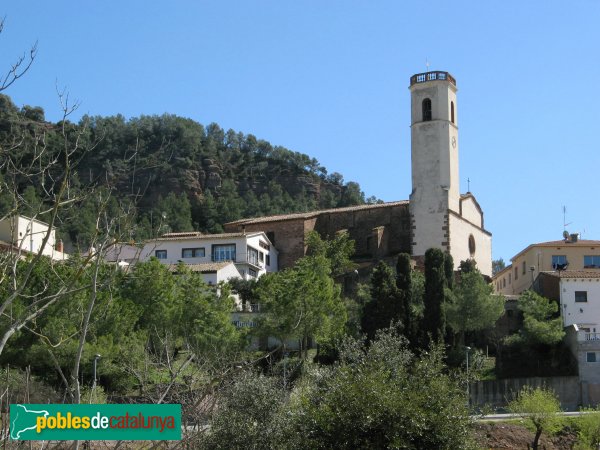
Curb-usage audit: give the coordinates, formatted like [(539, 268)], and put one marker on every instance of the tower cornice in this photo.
[(432, 76)]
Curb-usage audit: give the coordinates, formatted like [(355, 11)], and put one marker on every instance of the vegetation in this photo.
[(473, 305), (301, 303), (537, 348), (589, 429), (541, 322), (538, 406), (173, 173), (434, 320), (377, 396)]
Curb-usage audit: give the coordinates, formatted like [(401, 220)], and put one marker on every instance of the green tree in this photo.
[(352, 195), (249, 415), (175, 210), (301, 302), (474, 307), (338, 250), (467, 265), (589, 429), (497, 265), (541, 325), (434, 319), (385, 304), (449, 270), (538, 406), (379, 396), (404, 285)]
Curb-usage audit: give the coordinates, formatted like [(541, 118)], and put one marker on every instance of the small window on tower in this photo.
[(452, 112), (426, 110)]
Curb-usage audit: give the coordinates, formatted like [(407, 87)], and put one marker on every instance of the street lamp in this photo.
[(467, 350), (96, 358)]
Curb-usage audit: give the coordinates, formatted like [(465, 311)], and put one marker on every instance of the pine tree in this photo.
[(404, 287), (383, 308), (434, 320)]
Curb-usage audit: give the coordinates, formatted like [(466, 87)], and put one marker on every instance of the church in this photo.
[(436, 215)]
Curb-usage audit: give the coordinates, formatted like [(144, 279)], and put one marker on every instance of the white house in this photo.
[(252, 253), (212, 273), (25, 235), (578, 294)]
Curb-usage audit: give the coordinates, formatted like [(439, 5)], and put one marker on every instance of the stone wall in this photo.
[(497, 393), (286, 235), (378, 231)]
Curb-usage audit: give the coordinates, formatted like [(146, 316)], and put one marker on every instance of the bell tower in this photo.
[(434, 157)]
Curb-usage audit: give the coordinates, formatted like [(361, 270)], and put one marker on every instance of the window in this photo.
[(261, 256), (252, 255), (590, 356), (160, 254), (268, 260), (225, 252), (524, 271), (591, 261), (580, 296), (452, 112), (559, 261), (516, 274), (503, 282), (252, 273), (263, 245), (426, 110), (192, 252), (509, 278), (471, 245)]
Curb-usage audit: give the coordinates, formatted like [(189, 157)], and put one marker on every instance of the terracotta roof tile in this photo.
[(574, 274), (561, 243), (197, 234), (311, 214)]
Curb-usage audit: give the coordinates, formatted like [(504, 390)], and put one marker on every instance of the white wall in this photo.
[(460, 230), (584, 314), (28, 235), (174, 251), (471, 212)]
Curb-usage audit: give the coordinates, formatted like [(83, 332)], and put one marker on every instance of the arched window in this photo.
[(426, 110), (452, 112), (472, 246)]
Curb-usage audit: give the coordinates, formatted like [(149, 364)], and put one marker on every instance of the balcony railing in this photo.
[(585, 336), (432, 76)]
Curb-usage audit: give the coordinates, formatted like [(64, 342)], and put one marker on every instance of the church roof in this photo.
[(311, 214)]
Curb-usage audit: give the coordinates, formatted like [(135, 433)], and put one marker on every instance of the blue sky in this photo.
[(330, 79)]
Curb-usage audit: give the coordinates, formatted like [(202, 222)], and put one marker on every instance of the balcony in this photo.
[(432, 76), (252, 307), (583, 336)]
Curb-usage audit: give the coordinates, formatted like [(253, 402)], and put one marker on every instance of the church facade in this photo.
[(436, 215)]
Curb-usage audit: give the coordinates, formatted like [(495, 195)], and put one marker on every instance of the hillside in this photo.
[(173, 173)]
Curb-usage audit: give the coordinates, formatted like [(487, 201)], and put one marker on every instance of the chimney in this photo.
[(60, 246)]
